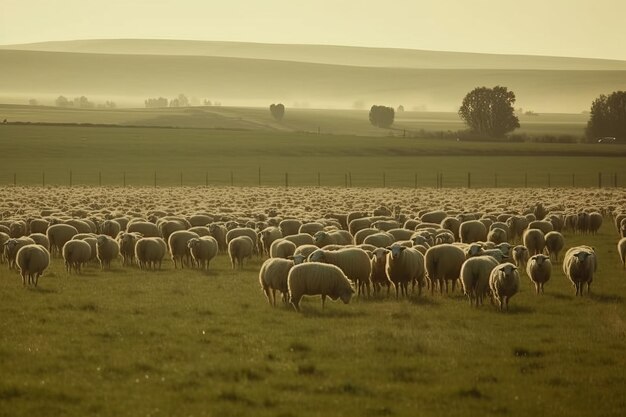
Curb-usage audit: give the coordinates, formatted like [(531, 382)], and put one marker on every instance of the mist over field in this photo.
[(312, 76)]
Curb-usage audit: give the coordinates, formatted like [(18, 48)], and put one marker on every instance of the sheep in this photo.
[(543, 225), (177, 245), (149, 252), (554, 244), (378, 276), (472, 231), (59, 235), (199, 220), (579, 265), (520, 256), (107, 250), (401, 234), (314, 278), (539, 269), (127, 242), (12, 246), (244, 231), (167, 227), (434, 216), (386, 225), (504, 284), (219, 231), (337, 237), (534, 240), (4, 238), (282, 248), (81, 226), (497, 235), (18, 228), (76, 253), (203, 250), (289, 227), (273, 276), (496, 254), (452, 224), (146, 229), (354, 262), (268, 236), (311, 228), (239, 248), (40, 239), (595, 222), (359, 224), (110, 228), (475, 274), (301, 239), (360, 236), (200, 230), (622, 228), (444, 237), (621, 249), (405, 265), (517, 225), (443, 263), (32, 260), (37, 226), (305, 250), (93, 244), (380, 240)]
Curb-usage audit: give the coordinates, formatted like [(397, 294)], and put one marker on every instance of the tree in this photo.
[(489, 111), (277, 111), (382, 116), (62, 101), (83, 103), (400, 108), (156, 102), (33, 102), (608, 116)]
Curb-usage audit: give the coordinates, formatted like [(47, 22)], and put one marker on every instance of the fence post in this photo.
[(259, 176), (469, 180), (615, 180), (415, 182), (232, 180), (319, 181), (495, 180), (441, 180), (206, 179), (286, 180), (599, 180), (70, 178), (100, 178), (124, 180), (181, 179), (384, 180), (346, 180), (43, 179), (350, 179), (526, 180), (155, 179), (573, 180)]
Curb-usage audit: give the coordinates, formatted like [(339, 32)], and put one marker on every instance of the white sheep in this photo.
[(240, 248), (311, 228), (177, 245), (41, 239), (354, 262), (282, 248), (146, 229), (520, 256), (127, 242), (107, 250), (76, 253), (504, 283), (472, 231), (12, 246), (539, 269), (378, 276), (4, 238), (305, 250), (289, 227), (336, 237), (404, 266), (32, 260), (534, 240), (497, 235), (300, 239), (621, 249), (59, 235), (475, 274), (443, 264), (314, 278), (579, 266), (110, 228), (149, 252), (203, 250), (244, 231), (555, 242), (380, 240), (273, 276), (268, 236)]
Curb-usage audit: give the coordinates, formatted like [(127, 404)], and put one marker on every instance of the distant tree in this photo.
[(156, 102), (277, 111), (489, 111), (62, 101), (207, 102), (382, 116), (183, 101), (174, 102), (83, 103), (110, 104), (33, 102), (608, 116), (400, 108)]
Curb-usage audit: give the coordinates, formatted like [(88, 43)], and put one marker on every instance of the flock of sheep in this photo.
[(319, 241)]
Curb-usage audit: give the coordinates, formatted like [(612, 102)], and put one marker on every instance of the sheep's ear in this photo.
[(388, 248), (402, 248)]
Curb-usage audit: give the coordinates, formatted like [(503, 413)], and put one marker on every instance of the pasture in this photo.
[(185, 342)]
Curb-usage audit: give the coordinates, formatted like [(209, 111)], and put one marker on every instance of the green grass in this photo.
[(94, 153), (128, 343)]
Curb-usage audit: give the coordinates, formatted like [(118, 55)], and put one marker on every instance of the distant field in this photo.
[(34, 155), (343, 122)]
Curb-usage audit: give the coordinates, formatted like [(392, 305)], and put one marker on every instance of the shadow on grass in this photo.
[(559, 296), (330, 313), (607, 298)]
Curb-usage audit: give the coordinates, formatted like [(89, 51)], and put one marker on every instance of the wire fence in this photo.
[(273, 178)]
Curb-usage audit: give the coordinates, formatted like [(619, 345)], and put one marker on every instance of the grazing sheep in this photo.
[(146, 229), (18, 228), (110, 228), (301, 239), (404, 266), (37, 225), (314, 278), (379, 277), (359, 224), (244, 231), (337, 237), (273, 276), (311, 228), (203, 250), (534, 240), (472, 231), (444, 237), (434, 216), (554, 244), (199, 220), (543, 225), (107, 250), (59, 235), (127, 242), (579, 265), (354, 262), (149, 252), (76, 253), (360, 236), (93, 244), (167, 227), (218, 231), (594, 222), (517, 225), (240, 248), (12, 246), (200, 230), (401, 234), (475, 274), (504, 284), (452, 224), (305, 250), (520, 256), (621, 249), (497, 235), (443, 263), (81, 226), (380, 240), (32, 260), (539, 269), (40, 239), (177, 245), (289, 227), (268, 236), (4, 238), (282, 248)]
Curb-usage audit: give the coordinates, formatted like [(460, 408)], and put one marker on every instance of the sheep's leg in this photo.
[(453, 285), (24, 279), (323, 301)]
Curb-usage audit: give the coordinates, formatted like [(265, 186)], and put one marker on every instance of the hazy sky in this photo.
[(582, 28)]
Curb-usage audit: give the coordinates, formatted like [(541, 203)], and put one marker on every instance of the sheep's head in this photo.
[(193, 242), (320, 236), (396, 251), (540, 259), (297, 258), (505, 248), (317, 256), (380, 255), (101, 239), (474, 250)]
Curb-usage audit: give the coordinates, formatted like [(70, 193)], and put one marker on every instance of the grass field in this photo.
[(172, 343), (102, 155)]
